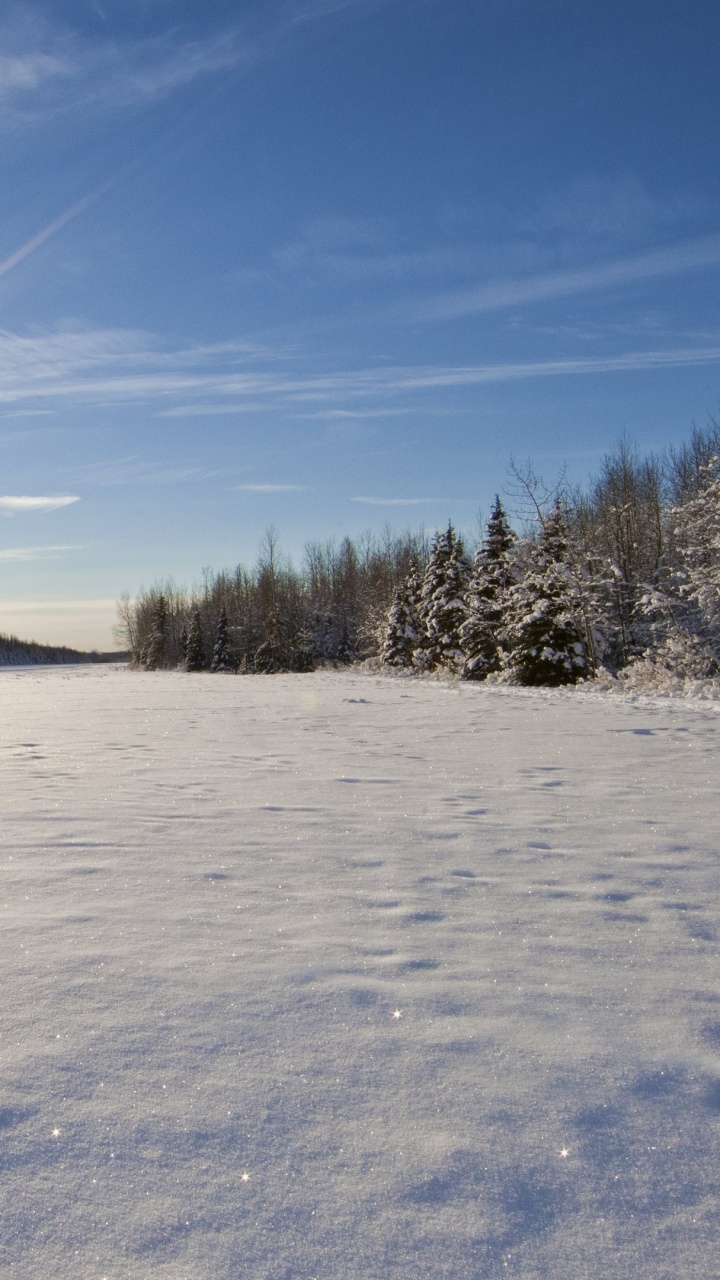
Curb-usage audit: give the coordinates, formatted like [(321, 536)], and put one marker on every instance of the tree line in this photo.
[(273, 616), (25, 653), (622, 573)]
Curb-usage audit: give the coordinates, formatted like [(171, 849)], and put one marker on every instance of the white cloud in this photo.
[(269, 488), (47, 356), (133, 470), (396, 502), (360, 264), (47, 68), (34, 553), (669, 261), (352, 415), (600, 206), (24, 71), (116, 367), (25, 503), (29, 413), (60, 70), (212, 410)]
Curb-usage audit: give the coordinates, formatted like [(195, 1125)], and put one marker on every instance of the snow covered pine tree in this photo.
[(442, 603), (155, 654), (487, 599), (544, 636), (183, 642), (404, 628), (195, 657), (222, 659)]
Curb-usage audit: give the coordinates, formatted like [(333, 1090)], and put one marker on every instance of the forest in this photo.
[(28, 653), (618, 579)]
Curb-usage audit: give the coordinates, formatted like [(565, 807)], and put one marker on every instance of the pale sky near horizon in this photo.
[(328, 264)]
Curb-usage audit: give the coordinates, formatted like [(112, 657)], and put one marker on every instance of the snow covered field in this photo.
[(344, 976)]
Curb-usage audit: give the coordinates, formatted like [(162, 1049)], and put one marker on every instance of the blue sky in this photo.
[(328, 264)]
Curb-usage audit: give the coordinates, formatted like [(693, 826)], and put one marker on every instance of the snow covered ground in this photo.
[(346, 976)]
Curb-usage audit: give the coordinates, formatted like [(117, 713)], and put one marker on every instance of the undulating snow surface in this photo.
[(346, 976)]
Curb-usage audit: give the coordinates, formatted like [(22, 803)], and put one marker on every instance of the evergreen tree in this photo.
[(155, 652), (481, 634), (301, 657), (300, 646), (544, 634), (346, 647), (183, 642), (442, 602), (195, 657), (404, 629), (222, 659)]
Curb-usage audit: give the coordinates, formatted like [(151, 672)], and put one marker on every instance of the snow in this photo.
[(349, 976)]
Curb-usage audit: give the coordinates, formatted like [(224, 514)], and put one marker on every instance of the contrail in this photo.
[(31, 245)]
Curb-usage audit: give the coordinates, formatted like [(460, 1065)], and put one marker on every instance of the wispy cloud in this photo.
[(28, 413), (112, 368), (34, 553), (72, 357), (604, 207), (352, 415), (134, 470), (21, 72), (269, 488), (70, 72), (397, 502), (62, 353), (673, 260), (49, 67), (25, 503), (212, 410), (357, 249)]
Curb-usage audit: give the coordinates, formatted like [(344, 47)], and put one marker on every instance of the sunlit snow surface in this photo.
[(344, 976)]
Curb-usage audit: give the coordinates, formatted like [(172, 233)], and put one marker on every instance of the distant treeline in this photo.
[(24, 653), (620, 575), (274, 616)]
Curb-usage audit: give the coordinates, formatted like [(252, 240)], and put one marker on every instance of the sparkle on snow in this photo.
[(533, 872)]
